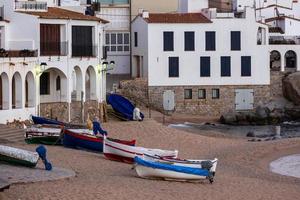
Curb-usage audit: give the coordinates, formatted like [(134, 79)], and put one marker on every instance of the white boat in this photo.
[(189, 170), (126, 153)]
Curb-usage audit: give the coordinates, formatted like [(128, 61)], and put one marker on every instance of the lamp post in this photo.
[(102, 70), (39, 69)]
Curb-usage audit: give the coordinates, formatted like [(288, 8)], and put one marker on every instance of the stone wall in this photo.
[(57, 110), (276, 84), (136, 90), (209, 106)]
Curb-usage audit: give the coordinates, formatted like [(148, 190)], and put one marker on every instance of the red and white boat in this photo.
[(125, 153)]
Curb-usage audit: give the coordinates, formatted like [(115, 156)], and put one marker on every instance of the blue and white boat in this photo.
[(171, 169)]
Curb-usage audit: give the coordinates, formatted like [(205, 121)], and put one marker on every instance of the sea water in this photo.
[(288, 166)]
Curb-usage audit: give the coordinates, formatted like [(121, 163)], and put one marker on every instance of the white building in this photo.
[(203, 62), (61, 61)]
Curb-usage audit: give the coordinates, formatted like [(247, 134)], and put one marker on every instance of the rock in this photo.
[(229, 118), (262, 112), (250, 134), (291, 87)]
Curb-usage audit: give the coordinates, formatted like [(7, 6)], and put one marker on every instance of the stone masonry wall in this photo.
[(57, 110), (208, 107), (276, 84)]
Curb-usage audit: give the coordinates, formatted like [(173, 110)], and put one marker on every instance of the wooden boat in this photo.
[(149, 168), (84, 138), (124, 153), (42, 120), (44, 134)]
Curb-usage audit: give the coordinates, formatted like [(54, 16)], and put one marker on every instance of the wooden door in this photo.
[(50, 39)]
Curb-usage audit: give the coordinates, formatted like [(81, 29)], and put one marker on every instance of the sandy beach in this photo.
[(243, 170)]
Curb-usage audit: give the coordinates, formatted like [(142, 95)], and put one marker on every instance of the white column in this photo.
[(282, 60)]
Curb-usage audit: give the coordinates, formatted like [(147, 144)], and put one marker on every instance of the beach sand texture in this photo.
[(242, 172)]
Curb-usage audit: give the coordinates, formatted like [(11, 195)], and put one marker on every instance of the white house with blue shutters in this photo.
[(202, 50)]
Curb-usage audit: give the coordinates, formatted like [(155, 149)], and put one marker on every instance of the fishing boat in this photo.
[(44, 134), (124, 153), (84, 138), (42, 120), (153, 169), (122, 106), (22, 157)]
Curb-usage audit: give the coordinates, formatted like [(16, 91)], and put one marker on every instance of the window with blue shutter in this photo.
[(205, 66), (173, 66), (210, 41), (189, 41), (235, 40), (168, 41), (246, 66), (225, 66)]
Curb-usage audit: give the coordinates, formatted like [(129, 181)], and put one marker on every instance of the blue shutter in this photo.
[(189, 41), (225, 66), (168, 41), (235, 40), (210, 41), (173, 66), (246, 66), (205, 66)]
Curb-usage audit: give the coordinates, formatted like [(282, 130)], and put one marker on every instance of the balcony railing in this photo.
[(284, 40), (30, 6), (84, 51), (54, 48), (18, 53)]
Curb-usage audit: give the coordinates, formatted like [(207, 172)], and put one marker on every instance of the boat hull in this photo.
[(87, 141), (124, 153), (48, 135), (47, 140), (16, 156)]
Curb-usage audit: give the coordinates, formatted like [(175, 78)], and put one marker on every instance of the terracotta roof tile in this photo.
[(58, 13), (177, 18)]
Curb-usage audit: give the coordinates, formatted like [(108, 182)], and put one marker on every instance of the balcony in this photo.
[(54, 48), (31, 6), (84, 51), (284, 40), (18, 53)]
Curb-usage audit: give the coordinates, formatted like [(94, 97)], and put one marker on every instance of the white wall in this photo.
[(191, 6), (189, 62)]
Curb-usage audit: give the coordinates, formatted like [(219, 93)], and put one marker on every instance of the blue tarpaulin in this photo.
[(122, 106)]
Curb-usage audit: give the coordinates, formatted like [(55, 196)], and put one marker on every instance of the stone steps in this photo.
[(11, 134)]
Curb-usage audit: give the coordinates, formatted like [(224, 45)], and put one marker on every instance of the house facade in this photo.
[(51, 62), (210, 69)]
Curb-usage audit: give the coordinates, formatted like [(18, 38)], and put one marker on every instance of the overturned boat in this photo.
[(122, 106), (16, 156), (85, 139), (125, 153), (175, 169)]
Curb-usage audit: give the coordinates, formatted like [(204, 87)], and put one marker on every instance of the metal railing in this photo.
[(18, 53), (30, 6), (279, 40), (84, 50), (54, 48)]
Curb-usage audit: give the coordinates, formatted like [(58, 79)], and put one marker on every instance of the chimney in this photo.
[(145, 14)]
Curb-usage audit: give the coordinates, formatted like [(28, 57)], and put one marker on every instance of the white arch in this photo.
[(275, 60), (55, 95), (16, 91), (90, 84), (77, 83), (4, 91), (290, 59), (29, 90)]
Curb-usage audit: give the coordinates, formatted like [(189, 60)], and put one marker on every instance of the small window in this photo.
[(168, 41), (225, 66), (126, 38), (57, 83), (215, 93), (189, 41), (205, 66), (45, 83), (107, 38), (135, 39), (113, 38), (235, 40), (173, 66), (210, 41), (188, 94), (120, 38), (246, 66), (201, 94)]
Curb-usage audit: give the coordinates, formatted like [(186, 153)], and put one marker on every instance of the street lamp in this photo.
[(102, 69), (39, 69)]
